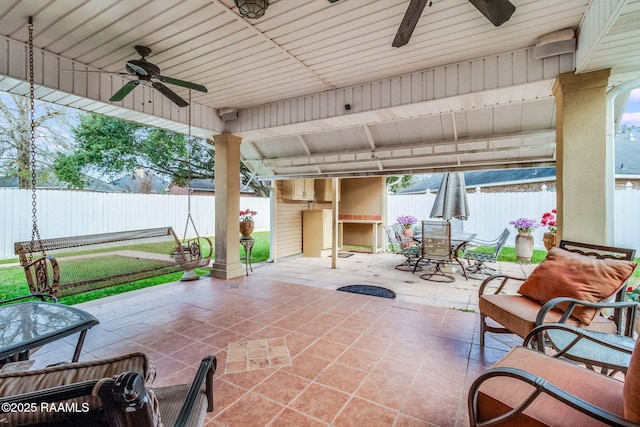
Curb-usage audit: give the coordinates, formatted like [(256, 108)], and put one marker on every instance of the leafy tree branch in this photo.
[(109, 146)]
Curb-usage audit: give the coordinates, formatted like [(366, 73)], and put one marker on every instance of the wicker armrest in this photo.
[(539, 386)]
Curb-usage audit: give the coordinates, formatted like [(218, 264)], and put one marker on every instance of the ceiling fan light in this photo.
[(252, 9)]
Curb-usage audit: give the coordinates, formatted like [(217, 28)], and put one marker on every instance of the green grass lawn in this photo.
[(13, 282), (509, 255)]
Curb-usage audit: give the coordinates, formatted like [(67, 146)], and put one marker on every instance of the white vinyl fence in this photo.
[(74, 213), (490, 213)]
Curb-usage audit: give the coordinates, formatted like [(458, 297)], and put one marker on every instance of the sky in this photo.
[(631, 116)]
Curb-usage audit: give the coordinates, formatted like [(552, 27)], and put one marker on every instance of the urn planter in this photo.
[(246, 228), (549, 240), (524, 246)]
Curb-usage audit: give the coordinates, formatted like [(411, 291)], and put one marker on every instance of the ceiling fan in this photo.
[(496, 11), (145, 71)]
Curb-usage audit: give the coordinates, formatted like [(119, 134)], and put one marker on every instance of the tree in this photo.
[(51, 124), (398, 183), (110, 146)]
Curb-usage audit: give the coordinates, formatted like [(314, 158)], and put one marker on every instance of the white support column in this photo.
[(584, 167), (227, 181)]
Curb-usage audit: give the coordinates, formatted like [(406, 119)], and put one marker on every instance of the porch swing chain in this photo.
[(189, 217), (35, 234)]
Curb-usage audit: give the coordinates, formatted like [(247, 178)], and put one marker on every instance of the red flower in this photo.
[(549, 220)]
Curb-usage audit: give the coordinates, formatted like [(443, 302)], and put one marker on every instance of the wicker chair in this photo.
[(483, 251), (527, 388), (107, 392)]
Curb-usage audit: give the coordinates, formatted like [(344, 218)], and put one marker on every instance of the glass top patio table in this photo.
[(592, 353), (28, 325), (456, 238)]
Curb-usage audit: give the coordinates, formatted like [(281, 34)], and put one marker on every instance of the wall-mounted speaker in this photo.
[(556, 43), (227, 114), (555, 48)]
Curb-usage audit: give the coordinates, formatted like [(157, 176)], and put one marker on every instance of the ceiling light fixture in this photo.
[(252, 9)]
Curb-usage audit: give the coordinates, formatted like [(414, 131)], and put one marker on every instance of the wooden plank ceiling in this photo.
[(304, 50)]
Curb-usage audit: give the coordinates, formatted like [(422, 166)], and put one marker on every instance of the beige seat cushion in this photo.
[(497, 395), (568, 274), (518, 314)]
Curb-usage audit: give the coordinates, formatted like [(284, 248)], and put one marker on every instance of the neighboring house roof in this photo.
[(627, 157), (93, 184), (203, 185), (485, 178), (142, 181), (208, 185)]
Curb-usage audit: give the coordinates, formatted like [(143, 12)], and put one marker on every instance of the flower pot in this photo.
[(524, 246), (246, 228), (549, 240)]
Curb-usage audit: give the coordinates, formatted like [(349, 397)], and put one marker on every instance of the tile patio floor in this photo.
[(294, 352)]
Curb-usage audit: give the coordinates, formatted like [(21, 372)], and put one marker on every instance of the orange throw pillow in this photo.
[(568, 274)]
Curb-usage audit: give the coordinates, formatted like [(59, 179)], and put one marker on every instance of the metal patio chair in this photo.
[(403, 245), (527, 387), (115, 391), (437, 249), (483, 251)]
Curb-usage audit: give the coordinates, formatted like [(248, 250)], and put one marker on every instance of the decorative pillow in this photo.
[(568, 274)]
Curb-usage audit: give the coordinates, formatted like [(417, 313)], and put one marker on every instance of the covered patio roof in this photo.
[(318, 88)]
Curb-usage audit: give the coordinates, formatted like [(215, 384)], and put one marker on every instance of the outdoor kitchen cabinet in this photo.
[(324, 190), (316, 232), (299, 189)]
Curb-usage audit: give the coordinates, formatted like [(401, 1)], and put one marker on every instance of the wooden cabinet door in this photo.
[(327, 229), (298, 189)]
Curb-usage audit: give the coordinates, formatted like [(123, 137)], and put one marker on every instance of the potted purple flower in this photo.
[(407, 221), (524, 239)]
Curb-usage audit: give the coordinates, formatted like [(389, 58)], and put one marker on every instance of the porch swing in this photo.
[(189, 254), (66, 266)]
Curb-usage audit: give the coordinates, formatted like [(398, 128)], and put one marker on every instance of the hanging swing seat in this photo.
[(78, 264)]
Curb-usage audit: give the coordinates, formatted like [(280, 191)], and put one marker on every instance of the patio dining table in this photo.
[(458, 242), (457, 239)]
